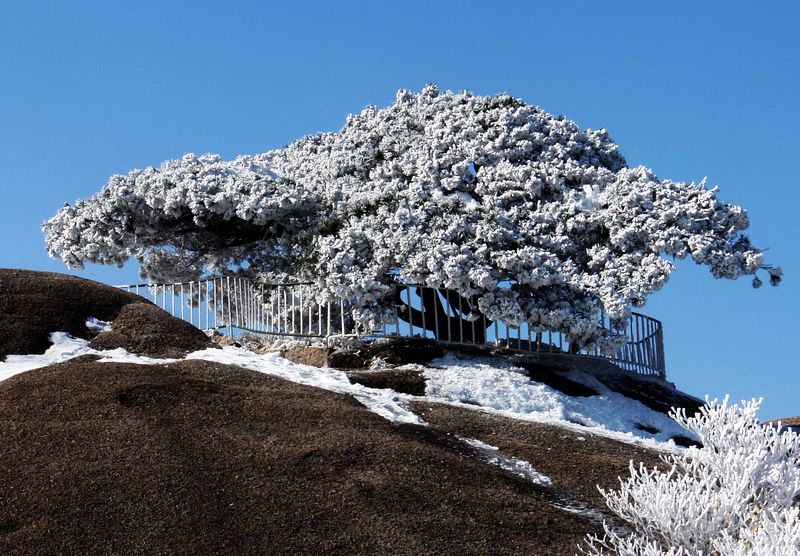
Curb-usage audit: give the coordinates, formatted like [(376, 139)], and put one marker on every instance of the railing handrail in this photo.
[(236, 302)]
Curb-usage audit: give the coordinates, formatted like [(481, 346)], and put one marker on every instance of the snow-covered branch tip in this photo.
[(534, 218), (735, 495)]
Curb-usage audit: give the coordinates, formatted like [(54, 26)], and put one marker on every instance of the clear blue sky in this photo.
[(690, 89)]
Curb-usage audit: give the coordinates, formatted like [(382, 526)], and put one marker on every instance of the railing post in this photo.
[(436, 303), (285, 311), (396, 313), (230, 313), (471, 310), (300, 292), (422, 310)]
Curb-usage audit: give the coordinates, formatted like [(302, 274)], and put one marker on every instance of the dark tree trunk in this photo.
[(435, 316)]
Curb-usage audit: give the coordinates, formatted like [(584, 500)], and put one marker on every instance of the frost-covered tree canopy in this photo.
[(522, 211)]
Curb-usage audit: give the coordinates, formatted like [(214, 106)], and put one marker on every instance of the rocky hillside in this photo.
[(200, 457)]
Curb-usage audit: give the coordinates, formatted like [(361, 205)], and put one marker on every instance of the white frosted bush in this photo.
[(519, 210), (736, 495)]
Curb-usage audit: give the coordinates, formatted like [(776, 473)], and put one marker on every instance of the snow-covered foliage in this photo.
[(534, 218), (736, 495)]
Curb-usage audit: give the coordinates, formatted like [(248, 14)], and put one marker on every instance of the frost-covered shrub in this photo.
[(521, 211), (737, 495)]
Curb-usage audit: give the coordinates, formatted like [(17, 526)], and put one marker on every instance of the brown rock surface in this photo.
[(145, 329), (398, 351), (201, 458), (656, 394), (576, 461), (789, 421), (308, 355), (405, 381)]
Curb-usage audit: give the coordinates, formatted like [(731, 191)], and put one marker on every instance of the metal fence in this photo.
[(233, 303)]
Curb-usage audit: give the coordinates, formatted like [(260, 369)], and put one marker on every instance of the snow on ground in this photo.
[(462, 382), (64, 348), (386, 403), (510, 393), (518, 467), (97, 325)]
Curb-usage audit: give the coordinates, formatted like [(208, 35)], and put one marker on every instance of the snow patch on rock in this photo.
[(97, 326), (386, 403), (510, 393)]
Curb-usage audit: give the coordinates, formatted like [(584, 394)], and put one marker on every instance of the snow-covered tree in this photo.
[(523, 214), (736, 495)]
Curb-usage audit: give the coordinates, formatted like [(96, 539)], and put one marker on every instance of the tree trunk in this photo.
[(435, 315)]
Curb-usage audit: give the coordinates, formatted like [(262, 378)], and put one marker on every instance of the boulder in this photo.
[(393, 352), (34, 304), (145, 329)]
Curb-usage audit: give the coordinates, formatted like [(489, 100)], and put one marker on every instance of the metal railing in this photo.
[(234, 303)]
